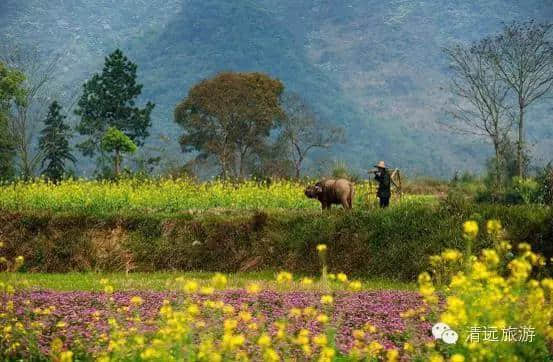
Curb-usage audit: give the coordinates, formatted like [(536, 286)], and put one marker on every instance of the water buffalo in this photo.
[(332, 191)]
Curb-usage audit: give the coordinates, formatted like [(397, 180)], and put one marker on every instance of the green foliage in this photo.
[(108, 100), (11, 91), (117, 142), (545, 182), (54, 143)]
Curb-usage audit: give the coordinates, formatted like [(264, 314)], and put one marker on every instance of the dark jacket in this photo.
[(383, 179)]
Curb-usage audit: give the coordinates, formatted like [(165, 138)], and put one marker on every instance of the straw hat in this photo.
[(380, 164)]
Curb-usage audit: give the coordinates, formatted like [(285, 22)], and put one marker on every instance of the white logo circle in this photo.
[(445, 333), (450, 336)]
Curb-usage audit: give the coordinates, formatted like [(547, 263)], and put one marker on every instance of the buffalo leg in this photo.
[(345, 203)]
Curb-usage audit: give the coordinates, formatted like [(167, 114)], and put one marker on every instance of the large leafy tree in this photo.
[(54, 143), (108, 100), (230, 117), (11, 91)]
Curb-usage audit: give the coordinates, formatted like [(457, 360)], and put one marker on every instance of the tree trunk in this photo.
[(117, 163), (520, 144), (297, 164), (498, 165)]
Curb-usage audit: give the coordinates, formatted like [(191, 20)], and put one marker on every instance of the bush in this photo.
[(545, 184)]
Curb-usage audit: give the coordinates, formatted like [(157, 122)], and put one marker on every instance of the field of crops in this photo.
[(168, 196), (319, 313), (213, 320)]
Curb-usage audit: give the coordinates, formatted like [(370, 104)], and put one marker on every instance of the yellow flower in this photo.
[(190, 286), (295, 312), (320, 340), (108, 289), (342, 277), (245, 316), (19, 260), (207, 290), (270, 355), (435, 260), (375, 348), (355, 285), (228, 309), (307, 281), (470, 228), (309, 311), (136, 300), (149, 353), (66, 356), (322, 318), (331, 276), (408, 347), (237, 341), (493, 226), (321, 248), (451, 255), (264, 340), (436, 358), (327, 299), (61, 324), (327, 354), (457, 358), (392, 355), (358, 334), (490, 257), (219, 281), (524, 247), (253, 288), (193, 309), (504, 246), (284, 277), (230, 324)]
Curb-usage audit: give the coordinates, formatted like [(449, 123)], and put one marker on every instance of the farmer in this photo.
[(383, 177)]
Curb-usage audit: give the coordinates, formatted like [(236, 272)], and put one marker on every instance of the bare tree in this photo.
[(523, 57), (29, 114), (304, 132), (480, 104)]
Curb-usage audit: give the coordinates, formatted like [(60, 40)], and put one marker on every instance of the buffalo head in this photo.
[(313, 191)]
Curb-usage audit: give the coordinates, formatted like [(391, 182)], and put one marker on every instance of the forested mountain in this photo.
[(374, 67)]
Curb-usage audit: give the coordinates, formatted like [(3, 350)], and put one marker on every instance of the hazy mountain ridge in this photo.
[(374, 67)]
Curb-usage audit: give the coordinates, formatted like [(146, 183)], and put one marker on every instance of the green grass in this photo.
[(159, 281)]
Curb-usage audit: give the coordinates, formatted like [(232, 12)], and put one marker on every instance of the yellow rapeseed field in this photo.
[(165, 195)]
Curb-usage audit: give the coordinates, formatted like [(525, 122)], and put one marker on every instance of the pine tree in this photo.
[(54, 143), (108, 100)]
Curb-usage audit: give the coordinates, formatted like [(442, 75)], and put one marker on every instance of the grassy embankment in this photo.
[(180, 226)]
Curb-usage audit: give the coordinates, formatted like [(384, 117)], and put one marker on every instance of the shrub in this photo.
[(545, 182)]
